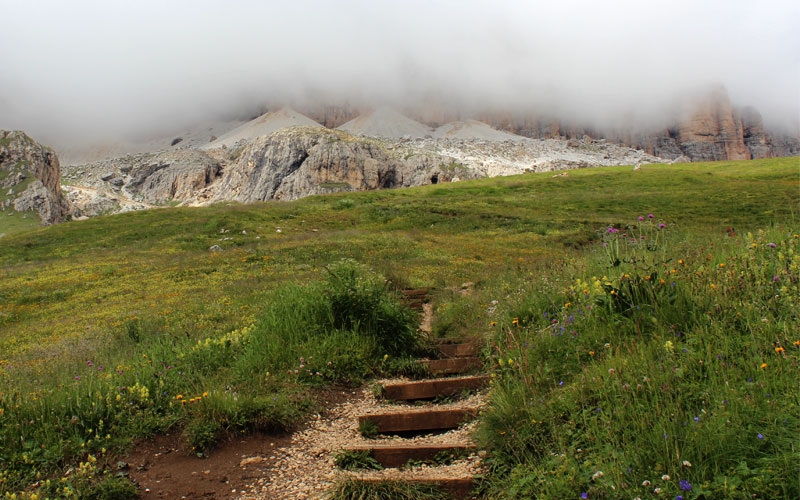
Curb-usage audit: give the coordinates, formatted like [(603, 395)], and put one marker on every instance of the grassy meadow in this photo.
[(641, 327)]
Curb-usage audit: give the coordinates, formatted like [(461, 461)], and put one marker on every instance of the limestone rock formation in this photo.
[(171, 176), (300, 161), (713, 131), (142, 180), (30, 178)]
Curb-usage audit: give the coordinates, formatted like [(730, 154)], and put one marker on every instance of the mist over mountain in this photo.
[(89, 70)]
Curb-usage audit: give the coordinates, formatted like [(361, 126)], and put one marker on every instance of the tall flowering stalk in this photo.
[(635, 253), (639, 245)]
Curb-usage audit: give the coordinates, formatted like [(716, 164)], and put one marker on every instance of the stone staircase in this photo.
[(424, 407)]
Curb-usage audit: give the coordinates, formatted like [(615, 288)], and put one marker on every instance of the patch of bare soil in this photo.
[(161, 468)]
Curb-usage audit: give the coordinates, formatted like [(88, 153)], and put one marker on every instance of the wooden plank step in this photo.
[(460, 488), (415, 298), (452, 365), (426, 420), (429, 389), (399, 455), (459, 350)]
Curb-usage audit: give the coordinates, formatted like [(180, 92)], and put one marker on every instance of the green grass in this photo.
[(349, 489), (245, 335), (677, 372)]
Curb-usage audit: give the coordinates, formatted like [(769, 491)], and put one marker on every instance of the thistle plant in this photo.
[(639, 245)]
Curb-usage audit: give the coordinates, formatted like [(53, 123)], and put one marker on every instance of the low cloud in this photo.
[(86, 70)]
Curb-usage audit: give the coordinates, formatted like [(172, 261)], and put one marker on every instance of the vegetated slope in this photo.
[(93, 306)]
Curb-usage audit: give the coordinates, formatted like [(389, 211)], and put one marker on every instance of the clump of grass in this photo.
[(353, 489), (200, 435), (406, 366), (368, 428), (356, 460), (361, 301), (445, 457)]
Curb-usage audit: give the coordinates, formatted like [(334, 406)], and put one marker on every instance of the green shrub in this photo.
[(359, 301)]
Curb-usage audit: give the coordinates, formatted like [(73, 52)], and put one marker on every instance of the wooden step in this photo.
[(429, 389), (416, 420), (452, 366), (460, 488), (415, 298), (458, 349), (398, 455)]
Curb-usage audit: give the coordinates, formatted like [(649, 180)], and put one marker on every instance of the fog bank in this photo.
[(91, 70)]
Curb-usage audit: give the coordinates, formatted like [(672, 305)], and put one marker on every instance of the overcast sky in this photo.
[(115, 66)]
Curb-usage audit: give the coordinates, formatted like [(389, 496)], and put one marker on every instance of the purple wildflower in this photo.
[(641, 217), (89, 363), (584, 495), (772, 245), (662, 226), (760, 436), (685, 485), (612, 230), (775, 279), (650, 216)]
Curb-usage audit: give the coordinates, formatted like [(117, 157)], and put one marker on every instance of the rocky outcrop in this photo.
[(149, 178), (299, 161), (713, 130), (171, 176), (30, 178)]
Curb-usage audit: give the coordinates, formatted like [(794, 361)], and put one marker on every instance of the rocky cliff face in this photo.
[(713, 130), (710, 128), (140, 181), (296, 162), (30, 178)]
